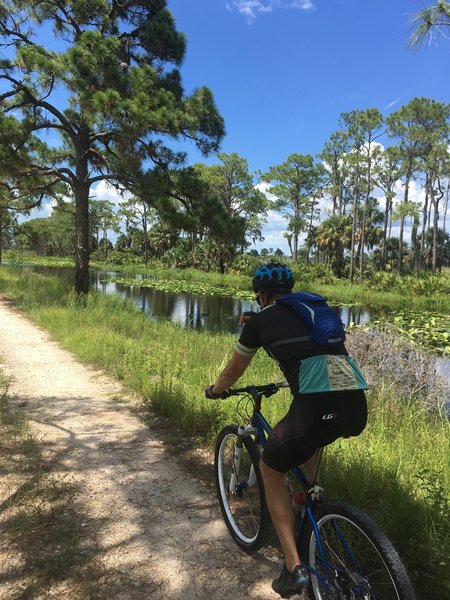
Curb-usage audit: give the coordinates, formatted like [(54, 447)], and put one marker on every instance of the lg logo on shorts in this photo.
[(329, 417)]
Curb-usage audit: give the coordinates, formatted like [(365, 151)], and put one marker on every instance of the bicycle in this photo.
[(345, 552)]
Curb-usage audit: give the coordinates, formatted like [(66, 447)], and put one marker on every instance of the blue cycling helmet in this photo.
[(273, 277)]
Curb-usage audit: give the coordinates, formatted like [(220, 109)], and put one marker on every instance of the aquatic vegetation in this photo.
[(193, 287), (428, 330)]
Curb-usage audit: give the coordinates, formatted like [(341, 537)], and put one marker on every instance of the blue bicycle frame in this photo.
[(261, 429)]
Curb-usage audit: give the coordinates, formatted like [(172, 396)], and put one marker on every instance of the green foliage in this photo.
[(187, 286), (431, 330), (309, 275), (296, 183), (28, 258), (112, 96), (50, 236), (427, 285), (430, 22), (246, 264), (397, 470)]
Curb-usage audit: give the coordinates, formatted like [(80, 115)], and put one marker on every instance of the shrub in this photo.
[(389, 359), (309, 275)]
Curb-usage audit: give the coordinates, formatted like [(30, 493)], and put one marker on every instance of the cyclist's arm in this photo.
[(231, 373)]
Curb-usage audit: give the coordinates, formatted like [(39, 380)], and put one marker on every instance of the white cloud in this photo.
[(47, 208), (264, 187), (250, 9), (106, 191)]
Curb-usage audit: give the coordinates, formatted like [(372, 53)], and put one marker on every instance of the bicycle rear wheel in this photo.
[(357, 560), (240, 489)]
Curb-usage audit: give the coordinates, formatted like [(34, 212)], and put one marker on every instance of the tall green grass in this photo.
[(398, 469)]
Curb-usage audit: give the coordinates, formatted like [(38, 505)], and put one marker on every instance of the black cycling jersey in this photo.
[(314, 419), (273, 324)]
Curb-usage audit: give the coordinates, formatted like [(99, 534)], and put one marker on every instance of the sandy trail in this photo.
[(157, 530)]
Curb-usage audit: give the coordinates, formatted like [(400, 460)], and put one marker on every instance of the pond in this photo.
[(210, 313)]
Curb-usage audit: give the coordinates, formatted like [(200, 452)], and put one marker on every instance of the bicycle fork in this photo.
[(248, 480)]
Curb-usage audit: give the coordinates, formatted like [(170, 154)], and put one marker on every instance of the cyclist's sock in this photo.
[(290, 583)]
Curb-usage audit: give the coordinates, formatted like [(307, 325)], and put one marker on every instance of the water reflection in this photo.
[(187, 310), (211, 313), (354, 314)]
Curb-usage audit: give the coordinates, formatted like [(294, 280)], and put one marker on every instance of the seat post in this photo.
[(316, 468)]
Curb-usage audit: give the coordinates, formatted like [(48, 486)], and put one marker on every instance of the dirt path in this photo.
[(157, 530)]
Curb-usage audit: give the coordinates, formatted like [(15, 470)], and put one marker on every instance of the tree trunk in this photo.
[(415, 249), (353, 243), (424, 222), (339, 260), (295, 247), (82, 240), (145, 229), (385, 229), (435, 237), (435, 199), (81, 187), (447, 194), (289, 241), (402, 225)]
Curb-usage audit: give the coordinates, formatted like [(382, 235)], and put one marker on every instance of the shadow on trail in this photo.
[(112, 516)]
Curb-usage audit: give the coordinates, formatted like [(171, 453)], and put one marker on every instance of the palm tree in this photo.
[(387, 171), (435, 18), (333, 235)]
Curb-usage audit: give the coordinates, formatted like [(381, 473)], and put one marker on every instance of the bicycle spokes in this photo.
[(243, 495), (346, 565)]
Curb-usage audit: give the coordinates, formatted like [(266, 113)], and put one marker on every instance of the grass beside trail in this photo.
[(398, 469)]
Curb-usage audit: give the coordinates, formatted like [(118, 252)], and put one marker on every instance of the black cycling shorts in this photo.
[(313, 421)]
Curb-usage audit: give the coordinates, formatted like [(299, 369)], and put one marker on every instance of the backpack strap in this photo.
[(292, 340)]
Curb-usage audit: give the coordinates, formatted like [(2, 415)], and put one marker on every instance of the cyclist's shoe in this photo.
[(288, 584)]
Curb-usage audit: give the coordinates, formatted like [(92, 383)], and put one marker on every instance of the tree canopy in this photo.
[(102, 103), (430, 22)]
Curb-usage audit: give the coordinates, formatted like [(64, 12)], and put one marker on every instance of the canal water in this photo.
[(211, 313)]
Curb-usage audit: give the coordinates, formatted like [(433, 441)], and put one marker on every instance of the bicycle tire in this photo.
[(243, 507), (364, 563)]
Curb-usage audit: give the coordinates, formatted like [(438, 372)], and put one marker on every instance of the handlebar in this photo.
[(256, 391)]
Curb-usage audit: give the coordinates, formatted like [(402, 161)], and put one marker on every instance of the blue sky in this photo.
[(282, 72)]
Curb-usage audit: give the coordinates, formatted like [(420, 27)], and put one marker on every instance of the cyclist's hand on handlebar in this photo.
[(246, 316), (212, 396)]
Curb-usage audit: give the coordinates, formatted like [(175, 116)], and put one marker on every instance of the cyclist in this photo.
[(313, 419)]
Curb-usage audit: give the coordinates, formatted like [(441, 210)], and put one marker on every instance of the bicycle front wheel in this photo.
[(240, 489), (351, 558)]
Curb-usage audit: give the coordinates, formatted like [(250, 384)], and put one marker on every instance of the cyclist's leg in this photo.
[(273, 467), (314, 420), (279, 503), (294, 441)]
